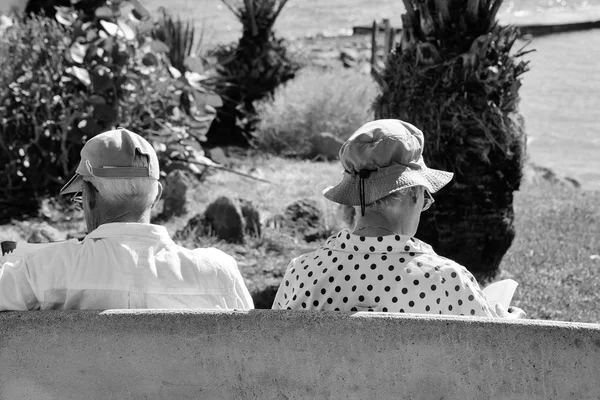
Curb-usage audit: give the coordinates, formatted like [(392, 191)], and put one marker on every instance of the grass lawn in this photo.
[(555, 254), (552, 257)]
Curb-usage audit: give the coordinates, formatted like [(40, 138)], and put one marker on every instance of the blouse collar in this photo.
[(346, 241)]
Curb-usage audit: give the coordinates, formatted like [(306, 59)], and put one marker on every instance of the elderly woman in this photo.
[(380, 266)]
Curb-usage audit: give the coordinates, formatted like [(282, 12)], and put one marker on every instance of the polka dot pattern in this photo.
[(387, 274)]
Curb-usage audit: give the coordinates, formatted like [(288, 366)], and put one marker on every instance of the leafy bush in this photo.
[(250, 70), (316, 101), (64, 83), (38, 108)]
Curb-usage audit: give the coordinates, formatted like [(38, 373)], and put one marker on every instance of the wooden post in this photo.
[(250, 8), (374, 45), (392, 40), (386, 36)]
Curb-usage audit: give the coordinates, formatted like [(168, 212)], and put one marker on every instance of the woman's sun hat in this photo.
[(380, 158)]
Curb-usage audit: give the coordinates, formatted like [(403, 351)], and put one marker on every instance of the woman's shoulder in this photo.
[(326, 252), (444, 266)]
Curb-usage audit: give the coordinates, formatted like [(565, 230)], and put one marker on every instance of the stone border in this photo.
[(280, 354)]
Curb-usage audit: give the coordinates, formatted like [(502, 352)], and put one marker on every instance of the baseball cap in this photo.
[(111, 155)]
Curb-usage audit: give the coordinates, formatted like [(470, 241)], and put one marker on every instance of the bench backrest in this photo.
[(263, 354)]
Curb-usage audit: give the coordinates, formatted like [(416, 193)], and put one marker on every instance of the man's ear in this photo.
[(90, 194), (160, 189)]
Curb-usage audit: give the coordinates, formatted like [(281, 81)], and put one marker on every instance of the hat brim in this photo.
[(74, 185), (383, 183)]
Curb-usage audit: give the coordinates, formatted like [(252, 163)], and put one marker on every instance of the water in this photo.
[(310, 17), (561, 105), (560, 95)]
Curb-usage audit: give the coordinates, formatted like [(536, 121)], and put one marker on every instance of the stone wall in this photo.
[(265, 354)]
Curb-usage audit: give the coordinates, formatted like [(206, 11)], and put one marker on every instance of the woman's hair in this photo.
[(136, 192), (349, 213), (399, 195)]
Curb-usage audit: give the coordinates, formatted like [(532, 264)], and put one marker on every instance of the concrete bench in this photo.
[(263, 354)]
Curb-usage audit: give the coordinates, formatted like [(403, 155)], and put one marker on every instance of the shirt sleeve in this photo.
[(283, 293), (16, 292), (243, 299), (465, 294)]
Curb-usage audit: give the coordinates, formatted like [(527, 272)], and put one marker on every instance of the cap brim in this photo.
[(74, 185)]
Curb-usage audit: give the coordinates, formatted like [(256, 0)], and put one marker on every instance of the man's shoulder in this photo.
[(208, 256), (45, 251), (212, 253)]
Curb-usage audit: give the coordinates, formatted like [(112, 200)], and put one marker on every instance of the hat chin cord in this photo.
[(362, 175)]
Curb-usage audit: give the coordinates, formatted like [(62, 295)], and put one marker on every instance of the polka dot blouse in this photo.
[(387, 273)]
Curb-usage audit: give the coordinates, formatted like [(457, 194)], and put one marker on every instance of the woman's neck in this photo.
[(376, 225)]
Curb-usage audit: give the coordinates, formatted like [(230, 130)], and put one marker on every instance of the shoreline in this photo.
[(537, 29)]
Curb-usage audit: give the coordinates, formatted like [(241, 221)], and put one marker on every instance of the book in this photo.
[(501, 292)]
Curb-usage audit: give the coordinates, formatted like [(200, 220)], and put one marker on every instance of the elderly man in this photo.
[(124, 261)]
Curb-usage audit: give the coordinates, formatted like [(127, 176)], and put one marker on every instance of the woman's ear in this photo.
[(415, 193), (160, 189)]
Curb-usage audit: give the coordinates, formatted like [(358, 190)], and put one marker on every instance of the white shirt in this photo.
[(123, 265), (387, 273)]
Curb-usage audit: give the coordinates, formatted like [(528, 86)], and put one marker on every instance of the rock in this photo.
[(533, 173), (177, 184), (326, 144), (302, 219), (349, 57), (225, 218), (218, 155), (251, 218), (41, 232)]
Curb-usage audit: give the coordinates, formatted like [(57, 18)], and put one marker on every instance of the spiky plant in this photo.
[(178, 35), (251, 70), (455, 75)]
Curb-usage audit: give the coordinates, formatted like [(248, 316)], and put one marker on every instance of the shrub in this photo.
[(38, 108), (179, 36), (456, 75), (250, 70), (65, 83), (316, 101)]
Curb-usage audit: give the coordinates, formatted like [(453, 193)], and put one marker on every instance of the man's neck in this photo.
[(122, 217)]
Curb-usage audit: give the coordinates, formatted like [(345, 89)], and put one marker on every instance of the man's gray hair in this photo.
[(136, 191)]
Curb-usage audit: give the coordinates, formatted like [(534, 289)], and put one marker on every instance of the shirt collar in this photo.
[(128, 229), (346, 241)]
